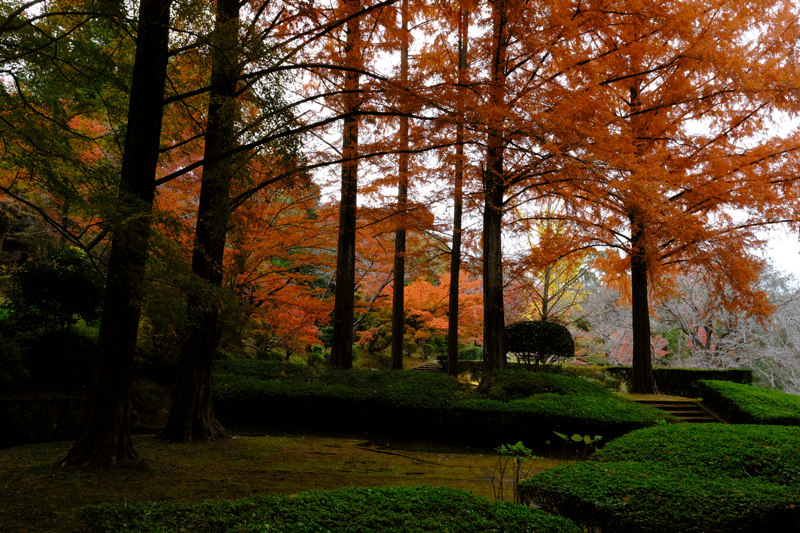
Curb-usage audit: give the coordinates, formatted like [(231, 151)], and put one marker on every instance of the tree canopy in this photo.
[(307, 163)]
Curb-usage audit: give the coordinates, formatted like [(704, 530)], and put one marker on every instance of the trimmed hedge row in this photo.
[(684, 381), (385, 510), (683, 479), (512, 406), (745, 404)]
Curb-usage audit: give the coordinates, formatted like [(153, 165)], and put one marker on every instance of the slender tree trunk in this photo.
[(642, 381), (342, 343), (642, 372), (192, 415), (458, 202), (494, 355), (105, 437), (546, 293), (398, 297)]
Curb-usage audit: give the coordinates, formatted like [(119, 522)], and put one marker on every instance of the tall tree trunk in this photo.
[(642, 381), (398, 297), (458, 202), (494, 355), (192, 415), (343, 310), (642, 372), (105, 436)]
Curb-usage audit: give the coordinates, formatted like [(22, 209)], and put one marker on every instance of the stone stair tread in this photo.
[(429, 367), (690, 411)]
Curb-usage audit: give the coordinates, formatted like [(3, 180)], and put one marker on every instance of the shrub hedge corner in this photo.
[(746, 404), (688, 478)]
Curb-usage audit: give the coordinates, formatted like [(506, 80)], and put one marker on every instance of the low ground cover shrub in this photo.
[(653, 497), (740, 451), (746, 404), (683, 479), (513, 406), (506, 385), (385, 510)]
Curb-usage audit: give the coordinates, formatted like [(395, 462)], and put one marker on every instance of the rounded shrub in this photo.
[(537, 341)]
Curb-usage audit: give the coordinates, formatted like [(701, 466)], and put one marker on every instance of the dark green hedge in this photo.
[(683, 381), (682, 479), (379, 510), (513, 406), (653, 497), (746, 404), (739, 451)]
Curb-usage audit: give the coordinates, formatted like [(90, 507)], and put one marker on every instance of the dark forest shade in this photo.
[(105, 438)]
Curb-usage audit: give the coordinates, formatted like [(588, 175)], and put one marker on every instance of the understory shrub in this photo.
[(746, 404), (683, 479), (538, 341), (512, 406), (385, 510)]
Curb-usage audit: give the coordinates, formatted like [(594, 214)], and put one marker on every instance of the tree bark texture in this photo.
[(192, 415), (494, 356), (398, 295), (642, 381), (458, 204), (344, 303), (642, 372), (105, 437)]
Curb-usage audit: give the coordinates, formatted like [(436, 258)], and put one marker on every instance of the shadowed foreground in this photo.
[(36, 496)]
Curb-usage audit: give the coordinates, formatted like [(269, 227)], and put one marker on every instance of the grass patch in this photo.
[(385, 510), (746, 404)]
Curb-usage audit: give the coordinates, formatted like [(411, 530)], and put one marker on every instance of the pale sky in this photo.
[(784, 250)]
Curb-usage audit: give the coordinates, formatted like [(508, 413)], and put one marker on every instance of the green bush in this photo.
[(739, 451), (269, 355), (265, 370), (539, 341), (422, 405), (513, 384), (49, 294), (682, 479), (747, 404), (653, 497), (13, 371), (385, 510), (684, 381), (593, 374), (470, 353)]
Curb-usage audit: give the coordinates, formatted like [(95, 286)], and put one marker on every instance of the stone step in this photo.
[(690, 411), (429, 367)]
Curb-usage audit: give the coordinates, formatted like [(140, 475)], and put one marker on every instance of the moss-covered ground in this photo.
[(37, 496)]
